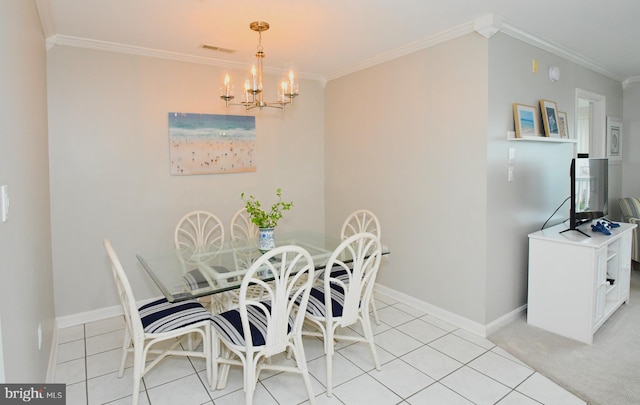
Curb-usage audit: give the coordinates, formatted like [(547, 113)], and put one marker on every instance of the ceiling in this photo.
[(329, 38)]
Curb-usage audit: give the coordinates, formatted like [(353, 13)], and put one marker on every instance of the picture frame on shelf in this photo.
[(563, 125), (526, 122), (614, 139), (549, 111)]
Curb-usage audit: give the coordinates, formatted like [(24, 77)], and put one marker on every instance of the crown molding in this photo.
[(486, 25), (559, 51), (428, 42), (76, 42), (630, 80)]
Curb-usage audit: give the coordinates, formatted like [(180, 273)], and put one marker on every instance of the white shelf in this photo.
[(511, 136)]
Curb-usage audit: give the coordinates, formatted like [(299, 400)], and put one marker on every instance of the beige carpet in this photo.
[(605, 373)]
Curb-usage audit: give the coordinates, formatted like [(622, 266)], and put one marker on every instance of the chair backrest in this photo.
[(125, 293), (629, 208), (199, 228), (352, 268), (360, 221), (241, 226), (292, 270)]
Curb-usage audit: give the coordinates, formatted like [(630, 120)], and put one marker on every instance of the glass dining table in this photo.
[(194, 272)]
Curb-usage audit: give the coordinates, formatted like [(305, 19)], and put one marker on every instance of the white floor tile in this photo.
[(516, 398), (70, 351), (109, 387), (431, 362), (501, 369), (106, 362), (169, 369), (187, 390), (70, 372), (289, 388), (77, 393), (473, 338), (365, 390), (261, 396), (415, 312), (360, 354), (437, 394), (458, 348), (396, 342), (474, 386), (70, 334), (104, 326), (393, 316), (342, 370), (422, 360), (439, 323), (107, 341), (421, 330), (402, 378), (546, 391)]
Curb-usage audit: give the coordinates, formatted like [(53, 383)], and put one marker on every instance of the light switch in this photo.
[(512, 155), (4, 203), (510, 173)]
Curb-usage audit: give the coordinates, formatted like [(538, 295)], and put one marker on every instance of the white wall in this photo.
[(109, 151), (26, 291), (631, 141), (541, 170), (407, 139)]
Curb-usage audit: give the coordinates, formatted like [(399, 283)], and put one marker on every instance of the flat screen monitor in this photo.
[(589, 190)]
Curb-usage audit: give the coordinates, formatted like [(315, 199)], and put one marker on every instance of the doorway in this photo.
[(590, 123)]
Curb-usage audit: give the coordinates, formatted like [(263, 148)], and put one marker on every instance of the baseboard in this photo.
[(89, 316), (447, 316)]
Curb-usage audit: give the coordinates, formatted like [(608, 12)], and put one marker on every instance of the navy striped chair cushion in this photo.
[(164, 316), (196, 280), (229, 325), (316, 306)]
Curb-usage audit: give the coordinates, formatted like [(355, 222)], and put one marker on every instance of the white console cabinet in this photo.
[(569, 291)]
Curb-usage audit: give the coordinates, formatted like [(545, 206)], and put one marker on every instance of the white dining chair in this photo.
[(241, 227), (342, 299), (363, 221), (250, 335), (199, 228), (242, 230), (152, 324), (196, 229)]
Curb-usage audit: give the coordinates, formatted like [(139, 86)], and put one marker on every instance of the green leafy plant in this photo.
[(262, 218)]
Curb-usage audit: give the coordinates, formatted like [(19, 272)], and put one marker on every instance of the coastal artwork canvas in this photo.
[(211, 143)]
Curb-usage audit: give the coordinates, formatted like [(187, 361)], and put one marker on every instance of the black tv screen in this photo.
[(589, 190)]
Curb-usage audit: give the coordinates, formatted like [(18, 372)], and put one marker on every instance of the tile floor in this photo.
[(424, 361)]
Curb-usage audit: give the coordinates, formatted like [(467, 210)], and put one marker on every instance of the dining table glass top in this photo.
[(194, 272)]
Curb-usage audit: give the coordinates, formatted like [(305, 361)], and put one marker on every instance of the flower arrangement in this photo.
[(262, 218)]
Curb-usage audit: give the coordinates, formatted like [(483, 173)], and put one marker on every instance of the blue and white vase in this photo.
[(266, 242)]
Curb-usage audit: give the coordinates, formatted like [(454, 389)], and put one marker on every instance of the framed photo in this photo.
[(563, 125), (614, 139), (525, 120), (549, 111)]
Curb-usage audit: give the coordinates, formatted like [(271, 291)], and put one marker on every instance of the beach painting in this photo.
[(525, 120), (211, 143)]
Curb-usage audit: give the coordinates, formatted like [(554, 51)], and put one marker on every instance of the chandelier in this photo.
[(253, 94)]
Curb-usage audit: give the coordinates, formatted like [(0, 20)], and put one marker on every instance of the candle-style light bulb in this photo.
[(247, 86), (254, 77), (226, 84)]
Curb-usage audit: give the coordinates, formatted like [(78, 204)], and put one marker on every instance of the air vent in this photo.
[(217, 48)]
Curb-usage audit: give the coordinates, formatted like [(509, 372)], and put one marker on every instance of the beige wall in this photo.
[(631, 141), (110, 164), (407, 139), (26, 291), (541, 170)]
